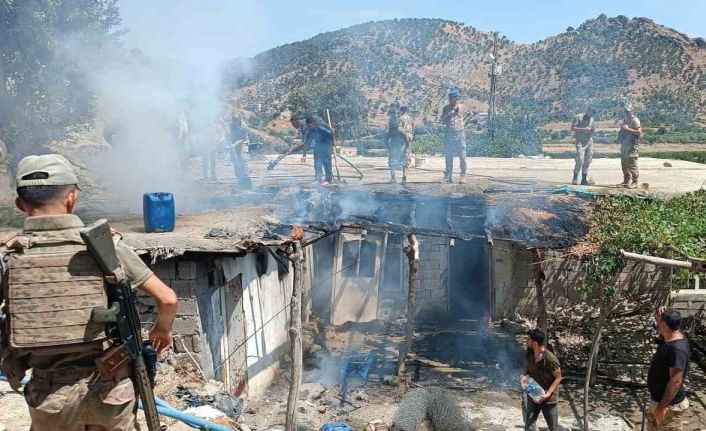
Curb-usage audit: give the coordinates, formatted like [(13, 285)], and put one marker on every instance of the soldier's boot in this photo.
[(585, 181), (404, 175), (625, 183), (447, 179), (634, 184), (575, 181)]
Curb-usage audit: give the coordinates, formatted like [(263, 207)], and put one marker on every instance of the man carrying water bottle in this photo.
[(541, 368)]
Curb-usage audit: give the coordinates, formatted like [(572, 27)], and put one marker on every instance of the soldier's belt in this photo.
[(71, 375)]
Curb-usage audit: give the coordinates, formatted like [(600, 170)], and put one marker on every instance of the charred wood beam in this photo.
[(412, 252), (295, 340), (539, 276)]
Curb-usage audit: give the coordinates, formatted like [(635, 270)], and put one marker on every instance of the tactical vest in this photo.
[(51, 285)]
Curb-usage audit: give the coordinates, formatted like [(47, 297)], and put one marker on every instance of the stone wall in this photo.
[(432, 277)]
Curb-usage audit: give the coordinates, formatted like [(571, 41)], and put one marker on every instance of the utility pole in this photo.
[(495, 71)]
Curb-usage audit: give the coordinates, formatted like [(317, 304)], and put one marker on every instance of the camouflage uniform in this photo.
[(629, 151), (66, 392), (584, 145), (406, 130), (672, 420), (454, 138)]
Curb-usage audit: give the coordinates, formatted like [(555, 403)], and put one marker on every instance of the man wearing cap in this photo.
[(629, 139), (50, 284), (455, 136), (583, 127)]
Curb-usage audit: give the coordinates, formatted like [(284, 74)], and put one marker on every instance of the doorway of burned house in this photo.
[(469, 279)]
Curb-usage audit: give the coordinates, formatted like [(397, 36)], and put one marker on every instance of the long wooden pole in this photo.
[(295, 341), (412, 252)]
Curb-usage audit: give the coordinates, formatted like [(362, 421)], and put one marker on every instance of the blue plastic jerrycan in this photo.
[(158, 212)]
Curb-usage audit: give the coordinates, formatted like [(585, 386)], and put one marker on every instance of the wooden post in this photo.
[(295, 340), (606, 308), (412, 252), (537, 258), (306, 290)]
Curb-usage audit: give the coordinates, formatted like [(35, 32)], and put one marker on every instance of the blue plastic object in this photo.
[(158, 212), (336, 426), (163, 408)]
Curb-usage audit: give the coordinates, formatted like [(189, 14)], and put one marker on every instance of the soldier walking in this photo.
[(50, 286), (584, 128), (629, 138), (455, 136)]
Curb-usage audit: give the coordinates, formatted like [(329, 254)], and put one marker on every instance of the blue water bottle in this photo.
[(158, 212)]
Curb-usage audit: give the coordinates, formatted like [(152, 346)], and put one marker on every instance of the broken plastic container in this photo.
[(158, 212), (533, 389), (336, 426)]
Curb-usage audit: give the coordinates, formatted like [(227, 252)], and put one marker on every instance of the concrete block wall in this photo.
[(432, 285), (515, 289), (180, 275)]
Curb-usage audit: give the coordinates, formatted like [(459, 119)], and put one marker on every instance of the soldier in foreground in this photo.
[(455, 136), (629, 139), (49, 294), (583, 127)]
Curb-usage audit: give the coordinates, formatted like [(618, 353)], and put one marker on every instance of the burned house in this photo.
[(477, 256)]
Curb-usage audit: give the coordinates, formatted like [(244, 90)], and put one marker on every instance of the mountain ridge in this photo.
[(604, 62)]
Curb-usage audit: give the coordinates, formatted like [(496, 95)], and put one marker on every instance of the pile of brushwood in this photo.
[(673, 228)]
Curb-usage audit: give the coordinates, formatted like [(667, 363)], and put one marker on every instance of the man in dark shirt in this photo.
[(665, 379), (543, 366), (320, 139)]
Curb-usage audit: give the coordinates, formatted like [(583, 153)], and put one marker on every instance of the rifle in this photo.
[(122, 322)]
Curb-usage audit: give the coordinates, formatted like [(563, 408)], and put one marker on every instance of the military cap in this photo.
[(57, 169)]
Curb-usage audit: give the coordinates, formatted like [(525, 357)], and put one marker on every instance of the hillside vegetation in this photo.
[(604, 62)]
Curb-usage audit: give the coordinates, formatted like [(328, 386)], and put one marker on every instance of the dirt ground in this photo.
[(569, 146), (480, 368)]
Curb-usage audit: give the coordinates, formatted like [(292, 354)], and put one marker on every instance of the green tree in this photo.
[(341, 95), (43, 93)]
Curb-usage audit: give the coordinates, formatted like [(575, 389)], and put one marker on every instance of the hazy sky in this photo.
[(208, 31)]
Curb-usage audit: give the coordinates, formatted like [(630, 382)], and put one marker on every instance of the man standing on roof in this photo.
[(406, 129), (584, 128), (238, 137), (51, 331), (320, 139), (394, 141), (629, 138), (455, 136)]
